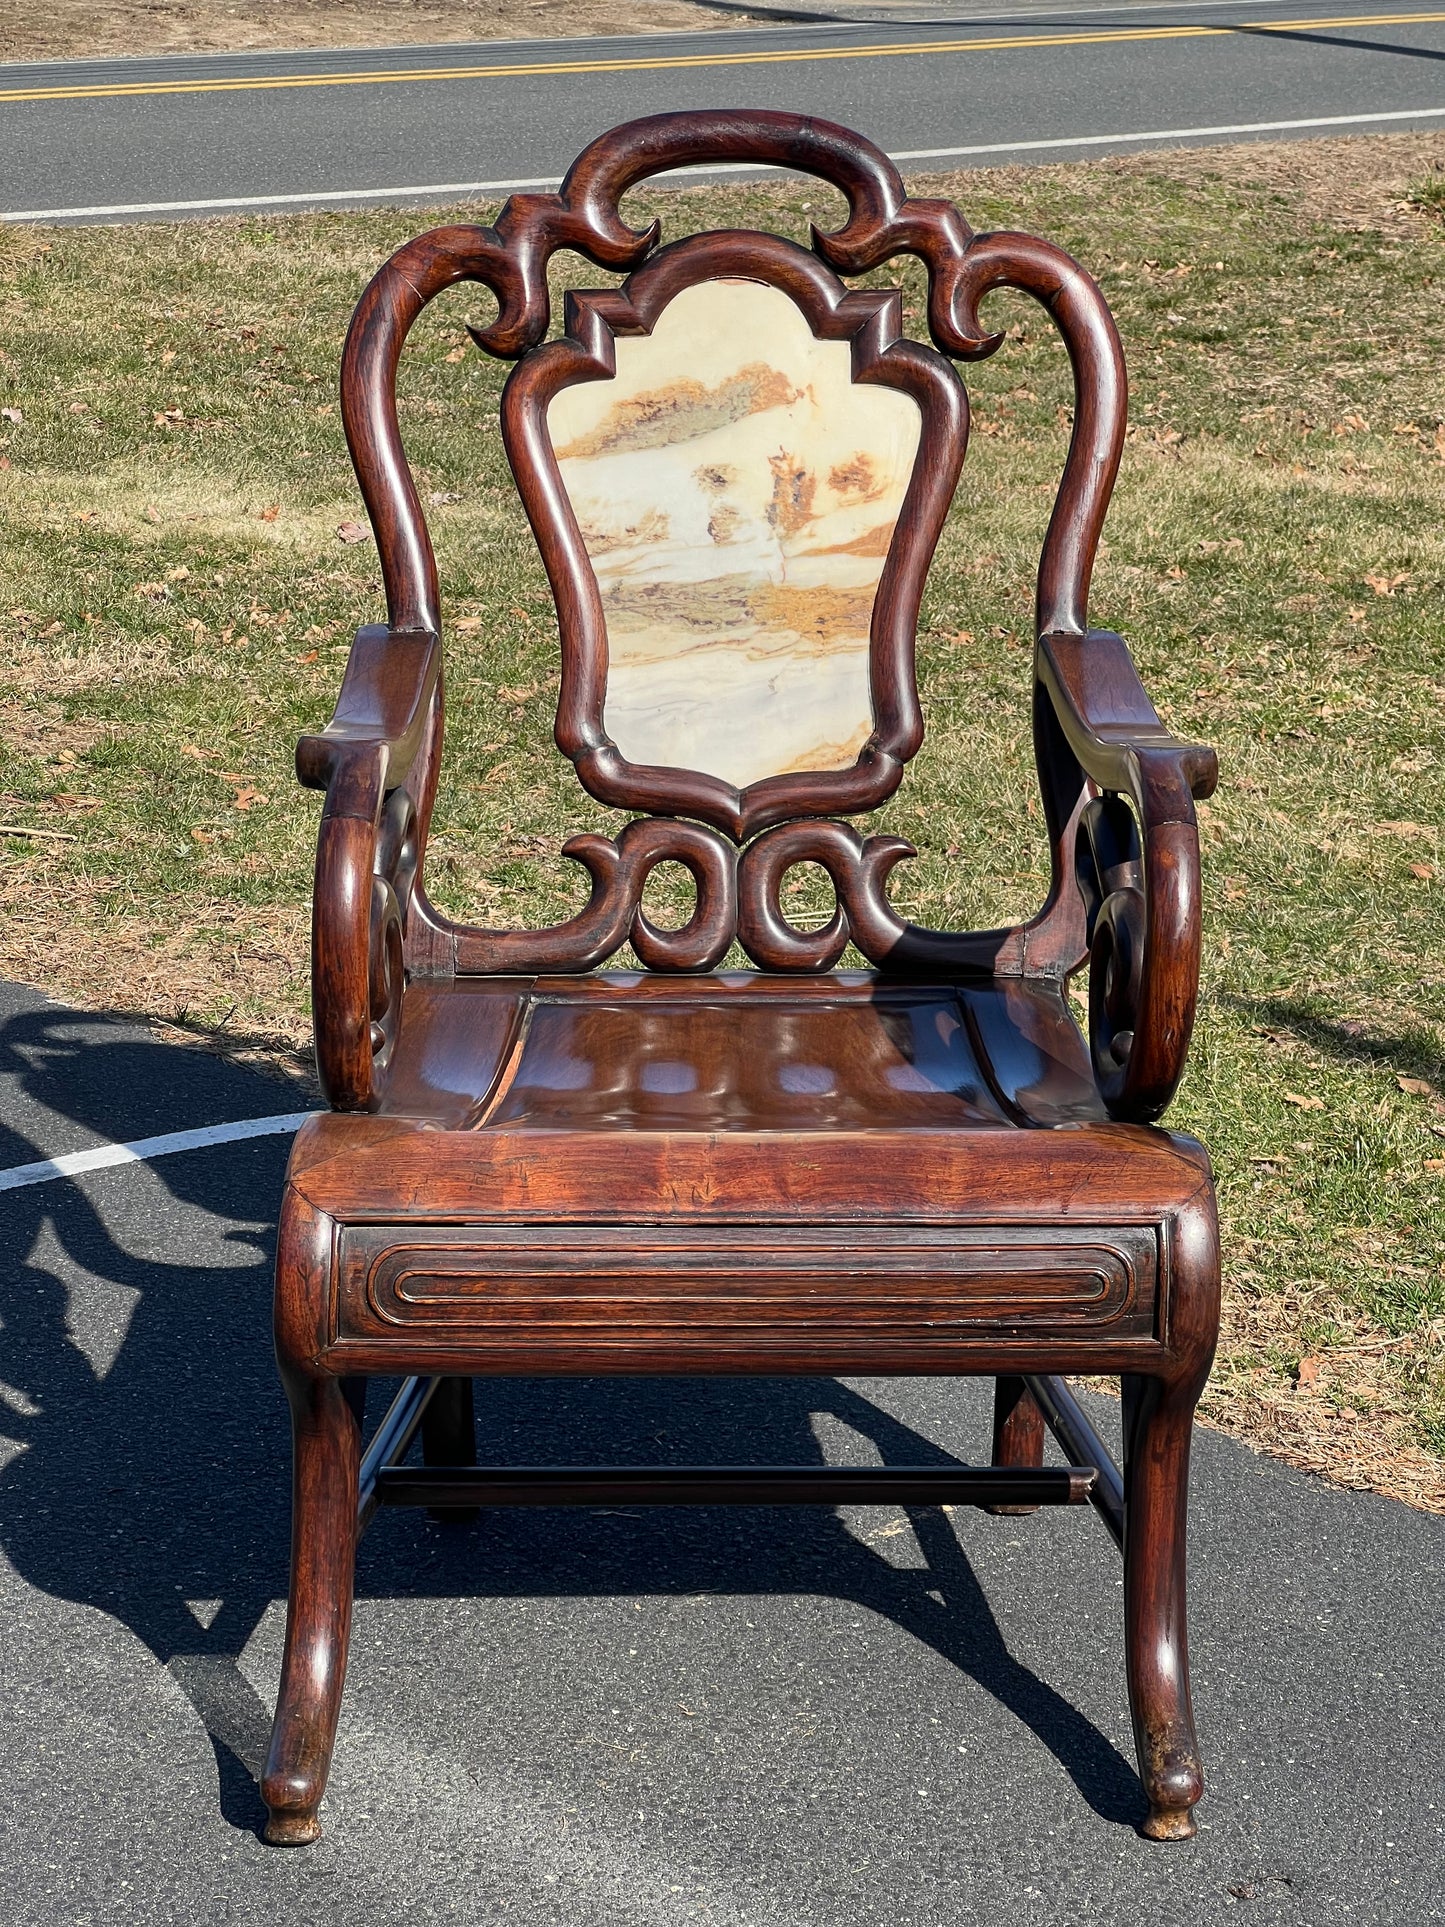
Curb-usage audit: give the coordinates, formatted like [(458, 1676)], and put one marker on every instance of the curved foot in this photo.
[(292, 1829), (1170, 1823)]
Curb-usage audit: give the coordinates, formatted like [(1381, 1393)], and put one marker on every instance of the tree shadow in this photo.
[(151, 1479), (1414, 1051)]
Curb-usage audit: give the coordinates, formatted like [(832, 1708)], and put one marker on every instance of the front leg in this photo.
[(1158, 1423), (326, 1429)]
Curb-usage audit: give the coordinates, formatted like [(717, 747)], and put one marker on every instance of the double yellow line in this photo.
[(890, 51)]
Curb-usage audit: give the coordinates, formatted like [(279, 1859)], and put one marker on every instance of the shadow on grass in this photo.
[(1413, 1053), (152, 1479)]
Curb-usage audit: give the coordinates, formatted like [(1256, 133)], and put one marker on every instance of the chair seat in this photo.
[(586, 1175), (738, 1051)]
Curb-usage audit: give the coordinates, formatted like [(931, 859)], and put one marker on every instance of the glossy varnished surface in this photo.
[(737, 1051)]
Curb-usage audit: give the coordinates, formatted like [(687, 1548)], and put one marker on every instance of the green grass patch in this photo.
[(176, 604)]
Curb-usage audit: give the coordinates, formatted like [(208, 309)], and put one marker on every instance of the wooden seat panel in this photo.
[(738, 1051)]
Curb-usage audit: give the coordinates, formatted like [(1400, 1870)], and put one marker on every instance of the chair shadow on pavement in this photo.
[(152, 1481)]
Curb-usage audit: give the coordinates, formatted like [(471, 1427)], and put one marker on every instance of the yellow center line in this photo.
[(893, 51)]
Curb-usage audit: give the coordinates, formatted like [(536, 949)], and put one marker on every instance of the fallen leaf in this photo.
[(1422, 870), (352, 532), (192, 749), (168, 416), (149, 514), (1435, 1164), (1387, 584), (965, 636), (11, 415), (204, 836), (270, 513), (78, 408), (179, 574), (457, 354), (468, 624), (440, 497), (1304, 1103), (1416, 1086), (168, 355), (4, 461), (1308, 1371), (243, 799), (310, 656), (153, 591)]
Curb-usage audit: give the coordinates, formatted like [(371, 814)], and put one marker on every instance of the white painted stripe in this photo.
[(1174, 134), (440, 190), (73, 1163)]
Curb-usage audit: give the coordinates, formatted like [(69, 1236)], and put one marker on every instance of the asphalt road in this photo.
[(613, 1719), (206, 133)]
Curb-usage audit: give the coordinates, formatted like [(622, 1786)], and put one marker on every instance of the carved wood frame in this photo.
[(872, 322), (1134, 916)]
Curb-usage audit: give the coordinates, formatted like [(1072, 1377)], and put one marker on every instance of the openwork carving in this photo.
[(613, 913), (738, 896)]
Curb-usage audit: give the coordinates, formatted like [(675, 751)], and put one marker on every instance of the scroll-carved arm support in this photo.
[(376, 762), (1137, 861)]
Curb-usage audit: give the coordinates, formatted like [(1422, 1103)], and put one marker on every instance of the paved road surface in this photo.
[(604, 1719), (206, 133)]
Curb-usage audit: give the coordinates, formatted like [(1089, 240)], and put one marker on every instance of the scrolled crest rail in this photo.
[(511, 259)]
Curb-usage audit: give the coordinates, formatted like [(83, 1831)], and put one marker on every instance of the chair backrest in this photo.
[(737, 470)]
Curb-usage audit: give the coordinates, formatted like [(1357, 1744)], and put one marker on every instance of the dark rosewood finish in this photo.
[(535, 1167)]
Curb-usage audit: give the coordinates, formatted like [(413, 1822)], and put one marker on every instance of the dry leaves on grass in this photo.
[(1346, 1412)]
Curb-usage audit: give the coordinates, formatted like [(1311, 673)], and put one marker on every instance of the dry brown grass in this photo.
[(90, 29)]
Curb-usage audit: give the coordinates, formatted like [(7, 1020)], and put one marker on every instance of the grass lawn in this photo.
[(176, 601)]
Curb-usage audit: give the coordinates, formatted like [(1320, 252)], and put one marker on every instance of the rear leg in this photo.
[(449, 1437), (1018, 1434)]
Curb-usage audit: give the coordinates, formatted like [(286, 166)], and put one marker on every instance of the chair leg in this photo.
[(449, 1437), (1018, 1434), (1158, 1421), (326, 1433)]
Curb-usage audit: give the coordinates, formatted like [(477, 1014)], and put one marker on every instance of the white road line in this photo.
[(73, 1163), (442, 189)]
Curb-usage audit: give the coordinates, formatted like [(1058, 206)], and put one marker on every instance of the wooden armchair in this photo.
[(737, 470)]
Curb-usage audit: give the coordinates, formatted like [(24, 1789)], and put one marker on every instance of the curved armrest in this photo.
[(367, 852), (1137, 867), (381, 712)]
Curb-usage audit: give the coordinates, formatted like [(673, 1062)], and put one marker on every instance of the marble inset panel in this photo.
[(737, 494)]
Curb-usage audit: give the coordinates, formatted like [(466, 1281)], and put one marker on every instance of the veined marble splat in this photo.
[(737, 494)]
